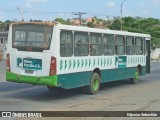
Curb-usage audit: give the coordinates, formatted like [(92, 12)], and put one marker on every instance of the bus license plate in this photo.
[(29, 71)]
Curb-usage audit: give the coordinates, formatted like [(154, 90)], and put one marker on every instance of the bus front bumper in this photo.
[(42, 80)]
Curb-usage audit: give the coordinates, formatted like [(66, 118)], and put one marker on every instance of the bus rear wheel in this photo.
[(94, 86), (135, 79)]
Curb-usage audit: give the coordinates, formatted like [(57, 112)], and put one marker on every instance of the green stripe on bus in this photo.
[(42, 80)]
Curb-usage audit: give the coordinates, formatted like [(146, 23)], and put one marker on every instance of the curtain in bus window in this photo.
[(35, 39), (20, 38)]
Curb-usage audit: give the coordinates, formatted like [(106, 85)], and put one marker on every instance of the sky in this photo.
[(48, 10)]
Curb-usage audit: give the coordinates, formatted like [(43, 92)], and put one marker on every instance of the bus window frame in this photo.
[(142, 46), (92, 46), (133, 38), (67, 31), (80, 32), (113, 45), (124, 44)]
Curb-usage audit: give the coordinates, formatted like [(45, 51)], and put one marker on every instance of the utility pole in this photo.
[(20, 11), (121, 14), (80, 16)]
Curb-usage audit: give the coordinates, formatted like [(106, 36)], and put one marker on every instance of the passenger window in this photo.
[(108, 44), (139, 43), (95, 44), (120, 45), (81, 44), (130, 47), (66, 43)]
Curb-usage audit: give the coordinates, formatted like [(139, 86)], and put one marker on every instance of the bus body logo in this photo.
[(121, 61), (20, 62), (30, 64)]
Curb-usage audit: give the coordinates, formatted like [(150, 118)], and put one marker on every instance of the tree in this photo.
[(68, 22), (4, 26), (90, 24), (144, 25), (116, 25), (60, 20)]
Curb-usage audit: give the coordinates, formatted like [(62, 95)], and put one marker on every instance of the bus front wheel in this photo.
[(135, 79), (94, 86)]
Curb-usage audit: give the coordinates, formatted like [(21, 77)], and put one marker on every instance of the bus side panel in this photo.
[(120, 74), (74, 80), (80, 79), (113, 74), (143, 70)]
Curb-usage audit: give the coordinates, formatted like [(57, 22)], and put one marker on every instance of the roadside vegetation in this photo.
[(131, 24)]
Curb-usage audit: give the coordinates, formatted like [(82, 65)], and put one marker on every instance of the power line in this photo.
[(52, 12), (80, 16)]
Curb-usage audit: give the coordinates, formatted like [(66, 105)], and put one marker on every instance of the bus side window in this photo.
[(92, 50), (139, 43), (108, 44), (130, 47), (66, 43), (95, 44), (120, 45), (81, 43)]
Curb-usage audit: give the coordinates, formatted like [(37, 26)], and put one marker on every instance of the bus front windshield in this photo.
[(31, 37)]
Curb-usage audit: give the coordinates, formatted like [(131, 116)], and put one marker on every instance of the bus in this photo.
[(65, 56)]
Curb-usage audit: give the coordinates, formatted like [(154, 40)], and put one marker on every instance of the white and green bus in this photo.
[(68, 57)]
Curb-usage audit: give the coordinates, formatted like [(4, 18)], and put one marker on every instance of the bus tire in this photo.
[(94, 86), (135, 79)]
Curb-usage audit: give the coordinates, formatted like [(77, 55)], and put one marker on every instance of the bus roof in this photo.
[(86, 29), (103, 31), (35, 23)]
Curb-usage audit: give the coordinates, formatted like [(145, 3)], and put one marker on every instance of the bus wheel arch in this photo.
[(136, 75), (94, 83), (139, 67), (98, 71)]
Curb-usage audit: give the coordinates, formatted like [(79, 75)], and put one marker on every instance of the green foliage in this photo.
[(68, 22), (116, 25), (132, 24), (4, 26), (90, 24), (140, 25), (60, 20)]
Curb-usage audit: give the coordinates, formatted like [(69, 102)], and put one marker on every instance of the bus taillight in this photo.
[(53, 70), (8, 62)]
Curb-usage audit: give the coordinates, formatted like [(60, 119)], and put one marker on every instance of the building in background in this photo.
[(155, 55), (3, 43)]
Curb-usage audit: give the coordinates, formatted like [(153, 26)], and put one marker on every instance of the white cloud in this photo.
[(110, 4)]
